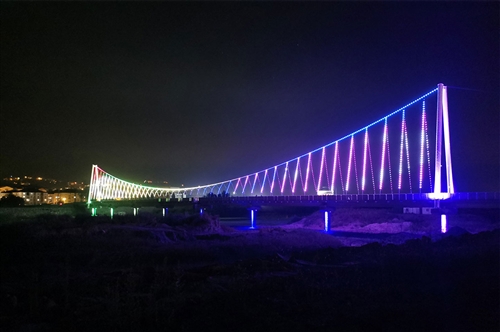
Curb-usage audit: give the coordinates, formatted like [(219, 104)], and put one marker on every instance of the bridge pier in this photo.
[(253, 216), (327, 217)]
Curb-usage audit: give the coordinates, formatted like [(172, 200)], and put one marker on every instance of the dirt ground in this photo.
[(373, 272)]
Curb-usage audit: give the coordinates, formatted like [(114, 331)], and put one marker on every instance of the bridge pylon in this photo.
[(442, 129)]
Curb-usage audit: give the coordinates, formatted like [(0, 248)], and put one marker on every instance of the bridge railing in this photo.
[(353, 197)]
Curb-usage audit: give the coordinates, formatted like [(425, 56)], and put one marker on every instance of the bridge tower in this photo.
[(442, 129)]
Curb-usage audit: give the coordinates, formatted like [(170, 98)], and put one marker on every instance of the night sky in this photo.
[(196, 93)]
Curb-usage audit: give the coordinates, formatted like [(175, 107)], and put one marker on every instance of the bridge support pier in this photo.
[(327, 217), (253, 216)]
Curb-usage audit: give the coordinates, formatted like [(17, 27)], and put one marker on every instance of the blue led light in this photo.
[(254, 181), (252, 218)]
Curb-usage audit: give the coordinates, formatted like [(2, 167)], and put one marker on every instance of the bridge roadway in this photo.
[(457, 200)]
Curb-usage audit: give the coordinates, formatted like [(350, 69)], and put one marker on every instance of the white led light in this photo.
[(321, 169)]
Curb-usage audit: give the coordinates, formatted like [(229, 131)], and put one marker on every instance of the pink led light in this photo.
[(284, 178), (363, 178), (263, 182), (401, 151), (295, 175), (349, 164), (384, 142), (321, 169), (244, 186), (307, 171), (340, 175), (407, 157), (237, 184), (371, 165), (422, 141), (389, 162)]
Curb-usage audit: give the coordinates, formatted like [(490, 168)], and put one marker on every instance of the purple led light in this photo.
[(401, 151), (307, 171), (284, 178), (407, 156), (363, 178), (321, 169)]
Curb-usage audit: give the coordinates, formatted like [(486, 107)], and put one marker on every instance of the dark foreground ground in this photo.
[(81, 274)]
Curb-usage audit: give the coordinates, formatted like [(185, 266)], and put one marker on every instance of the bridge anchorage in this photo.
[(362, 164)]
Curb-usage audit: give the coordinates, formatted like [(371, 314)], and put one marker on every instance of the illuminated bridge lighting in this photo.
[(350, 163), (284, 178), (263, 182), (307, 171), (340, 154), (295, 175), (321, 169), (365, 148)]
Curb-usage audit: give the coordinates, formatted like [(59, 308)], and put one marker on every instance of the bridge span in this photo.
[(457, 200)]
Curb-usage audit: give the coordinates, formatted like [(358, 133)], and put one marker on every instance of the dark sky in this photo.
[(197, 93)]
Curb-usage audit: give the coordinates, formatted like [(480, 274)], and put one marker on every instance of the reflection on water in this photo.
[(443, 223)]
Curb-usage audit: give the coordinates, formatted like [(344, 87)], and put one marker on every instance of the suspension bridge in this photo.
[(399, 154)]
